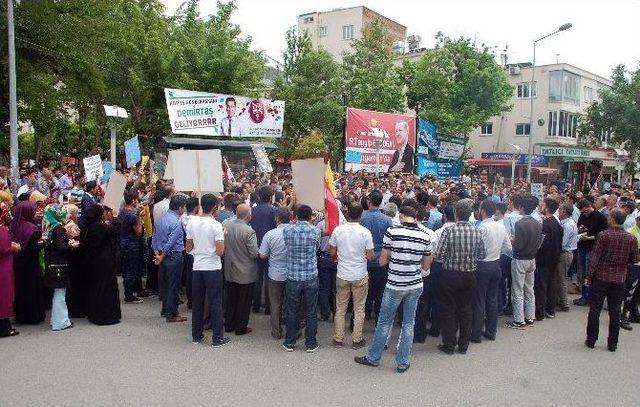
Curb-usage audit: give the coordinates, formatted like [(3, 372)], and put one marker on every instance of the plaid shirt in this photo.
[(460, 247), (302, 241), (613, 251)]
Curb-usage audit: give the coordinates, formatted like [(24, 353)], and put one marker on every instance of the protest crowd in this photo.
[(439, 258)]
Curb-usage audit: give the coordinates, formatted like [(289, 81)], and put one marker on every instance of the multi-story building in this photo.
[(560, 92), (335, 30)]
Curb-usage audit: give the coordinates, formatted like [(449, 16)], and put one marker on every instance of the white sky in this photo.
[(604, 33)]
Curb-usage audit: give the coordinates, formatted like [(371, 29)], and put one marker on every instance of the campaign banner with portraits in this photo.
[(394, 135), (438, 155), (214, 114)]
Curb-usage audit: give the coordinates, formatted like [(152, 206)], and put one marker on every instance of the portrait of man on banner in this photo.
[(402, 160)]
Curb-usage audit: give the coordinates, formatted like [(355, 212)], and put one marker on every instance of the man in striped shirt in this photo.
[(406, 249)]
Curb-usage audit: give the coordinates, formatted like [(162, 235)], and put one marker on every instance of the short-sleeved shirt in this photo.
[(377, 223), (407, 245), (303, 242), (352, 242), (128, 219), (205, 231), (273, 246)]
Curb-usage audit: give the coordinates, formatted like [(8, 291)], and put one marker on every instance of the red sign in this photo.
[(393, 134)]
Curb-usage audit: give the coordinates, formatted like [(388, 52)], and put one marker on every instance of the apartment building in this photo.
[(560, 92), (335, 30)]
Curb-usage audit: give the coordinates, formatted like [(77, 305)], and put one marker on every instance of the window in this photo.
[(308, 20), (588, 94), (523, 129), (347, 32), (564, 86), (322, 31), (525, 90), (486, 129), (562, 124)]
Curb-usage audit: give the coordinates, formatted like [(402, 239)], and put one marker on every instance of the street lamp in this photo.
[(115, 114), (563, 27), (513, 163)]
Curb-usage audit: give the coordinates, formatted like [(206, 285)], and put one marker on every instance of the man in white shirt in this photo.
[(230, 124), (353, 245), (485, 305), (205, 242)]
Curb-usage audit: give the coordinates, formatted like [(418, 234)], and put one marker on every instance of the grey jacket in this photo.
[(240, 252)]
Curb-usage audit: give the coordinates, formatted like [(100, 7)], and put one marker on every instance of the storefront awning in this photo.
[(546, 170)]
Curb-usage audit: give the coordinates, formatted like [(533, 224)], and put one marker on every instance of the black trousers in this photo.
[(238, 307), (260, 286), (433, 288), (545, 288), (377, 282), (614, 293), (152, 270), (457, 290), (207, 285), (422, 313)]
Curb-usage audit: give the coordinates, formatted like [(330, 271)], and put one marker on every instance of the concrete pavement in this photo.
[(145, 362)]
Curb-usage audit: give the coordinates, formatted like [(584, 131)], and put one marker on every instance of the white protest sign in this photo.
[(264, 164), (195, 170), (92, 167), (115, 191), (308, 181), (536, 190)]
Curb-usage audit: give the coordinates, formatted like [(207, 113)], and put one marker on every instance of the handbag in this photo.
[(56, 275)]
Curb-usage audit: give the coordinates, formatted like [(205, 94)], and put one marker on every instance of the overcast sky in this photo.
[(604, 33)]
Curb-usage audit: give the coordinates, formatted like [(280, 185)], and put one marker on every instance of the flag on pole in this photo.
[(331, 208), (226, 170)]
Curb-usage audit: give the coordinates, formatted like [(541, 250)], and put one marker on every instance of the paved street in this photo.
[(146, 362)]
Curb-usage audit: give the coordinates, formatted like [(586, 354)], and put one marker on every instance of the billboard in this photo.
[(214, 114), (438, 155), (394, 134)]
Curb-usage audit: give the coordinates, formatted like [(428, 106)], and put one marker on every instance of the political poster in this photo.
[(392, 135), (436, 145), (219, 115), (438, 155), (521, 159), (308, 181), (92, 167), (440, 169), (264, 164), (536, 190), (132, 151), (107, 168)]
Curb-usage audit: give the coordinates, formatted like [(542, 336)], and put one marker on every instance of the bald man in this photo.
[(240, 270), (402, 160)]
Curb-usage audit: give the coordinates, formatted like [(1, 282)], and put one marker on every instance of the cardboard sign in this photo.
[(115, 191), (308, 181), (92, 167), (132, 151), (264, 164), (195, 170)]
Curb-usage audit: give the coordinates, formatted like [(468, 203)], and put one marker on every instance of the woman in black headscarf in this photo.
[(103, 296)]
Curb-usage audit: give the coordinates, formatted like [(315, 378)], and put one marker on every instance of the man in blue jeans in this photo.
[(168, 245), (303, 241), (406, 249)]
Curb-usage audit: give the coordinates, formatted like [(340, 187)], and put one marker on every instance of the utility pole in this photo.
[(13, 103)]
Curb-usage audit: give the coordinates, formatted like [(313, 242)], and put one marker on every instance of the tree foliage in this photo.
[(311, 86), (457, 85), (371, 78), (75, 56)]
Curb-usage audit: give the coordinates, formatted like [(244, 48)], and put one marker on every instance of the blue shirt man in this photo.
[(303, 241), (377, 223), (168, 245)]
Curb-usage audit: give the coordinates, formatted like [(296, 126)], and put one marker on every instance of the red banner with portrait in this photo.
[(393, 134)]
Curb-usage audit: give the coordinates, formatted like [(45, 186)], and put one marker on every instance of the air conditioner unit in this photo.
[(514, 70), (398, 47)]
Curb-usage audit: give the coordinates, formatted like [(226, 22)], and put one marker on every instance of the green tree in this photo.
[(457, 85), (311, 146), (371, 78), (311, 86)]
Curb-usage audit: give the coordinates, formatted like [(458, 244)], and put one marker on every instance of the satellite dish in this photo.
[(540, 122)]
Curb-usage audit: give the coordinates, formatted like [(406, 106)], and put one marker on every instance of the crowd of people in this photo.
[(438, 258)]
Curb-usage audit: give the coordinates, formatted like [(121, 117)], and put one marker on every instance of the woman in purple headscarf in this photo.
[(29, 292)]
